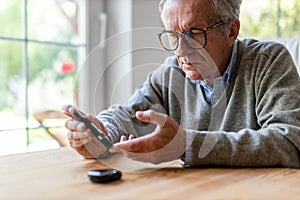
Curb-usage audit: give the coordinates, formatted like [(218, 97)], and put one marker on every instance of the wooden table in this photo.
[(61, 174)]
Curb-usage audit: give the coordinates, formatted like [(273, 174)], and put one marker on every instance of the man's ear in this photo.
[(234, 28)]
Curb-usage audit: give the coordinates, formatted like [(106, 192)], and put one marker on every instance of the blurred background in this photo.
[(90, 53)]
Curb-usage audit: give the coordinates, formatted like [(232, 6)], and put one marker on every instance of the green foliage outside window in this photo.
[(42, 58), (38, 66), (270, 19)]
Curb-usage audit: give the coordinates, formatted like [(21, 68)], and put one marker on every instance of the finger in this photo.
[(153, 117), (69, 110), (74, 125), (70, 125), (74, 139), (86, 139), (75, 143), (66, 107), (79, 143), (72, 135), (137, 145), (129, 146), (131, 137), (123, 138), (77, 139), (66, 110)]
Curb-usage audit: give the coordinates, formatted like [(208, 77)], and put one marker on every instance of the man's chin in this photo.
[(192, 75)]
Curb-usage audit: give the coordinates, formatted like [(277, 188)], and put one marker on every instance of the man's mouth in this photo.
[(188, 66)]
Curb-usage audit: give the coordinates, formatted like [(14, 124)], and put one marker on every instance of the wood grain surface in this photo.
[(62, 174)]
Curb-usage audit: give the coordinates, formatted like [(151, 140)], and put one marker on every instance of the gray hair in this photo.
[(161, 5), (224, 9)]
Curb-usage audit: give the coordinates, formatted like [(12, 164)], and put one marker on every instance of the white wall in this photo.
[(131, 51), (148, 52), (87, 74)]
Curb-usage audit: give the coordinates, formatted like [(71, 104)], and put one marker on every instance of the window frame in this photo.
[(81, 48)]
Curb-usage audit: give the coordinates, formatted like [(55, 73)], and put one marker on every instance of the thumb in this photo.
[(153, 117)]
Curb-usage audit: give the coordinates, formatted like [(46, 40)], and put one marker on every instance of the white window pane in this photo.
[(12, 90), (53, 20), (11, 18)]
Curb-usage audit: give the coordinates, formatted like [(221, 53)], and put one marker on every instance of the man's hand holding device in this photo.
[(90, 139), (87, 131)]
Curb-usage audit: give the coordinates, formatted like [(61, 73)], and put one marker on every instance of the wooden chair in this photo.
[(54, 131)]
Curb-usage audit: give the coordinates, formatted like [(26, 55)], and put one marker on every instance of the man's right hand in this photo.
[(81, 138)]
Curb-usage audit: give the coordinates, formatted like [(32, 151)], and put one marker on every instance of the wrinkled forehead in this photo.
[(194, 10)]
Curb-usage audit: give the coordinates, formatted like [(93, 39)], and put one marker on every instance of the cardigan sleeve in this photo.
[(120, 119)]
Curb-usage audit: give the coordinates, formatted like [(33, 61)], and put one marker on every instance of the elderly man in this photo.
[(217, 101)]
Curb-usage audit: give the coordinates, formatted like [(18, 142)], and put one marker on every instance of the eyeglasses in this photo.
[(195, 38)]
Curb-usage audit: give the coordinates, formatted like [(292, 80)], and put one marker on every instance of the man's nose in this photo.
[(183, 49)]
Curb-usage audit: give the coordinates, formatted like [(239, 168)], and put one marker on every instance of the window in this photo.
[(270, 19), (42, 45)]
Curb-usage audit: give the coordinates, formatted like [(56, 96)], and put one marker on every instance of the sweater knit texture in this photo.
[(256, 122)]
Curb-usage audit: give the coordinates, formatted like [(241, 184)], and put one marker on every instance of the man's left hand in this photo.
[(166, 143)]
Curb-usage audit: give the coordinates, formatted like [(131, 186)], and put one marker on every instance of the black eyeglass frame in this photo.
[(183, 35)]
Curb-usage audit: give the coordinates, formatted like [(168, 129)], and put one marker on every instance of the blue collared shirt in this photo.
[(212, 95)]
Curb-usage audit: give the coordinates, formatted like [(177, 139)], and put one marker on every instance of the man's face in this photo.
[(203, 64)]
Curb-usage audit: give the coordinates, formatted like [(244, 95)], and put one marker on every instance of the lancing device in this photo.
[(98, 134)]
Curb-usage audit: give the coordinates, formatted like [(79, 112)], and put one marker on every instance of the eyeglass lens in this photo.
[(170, 40)]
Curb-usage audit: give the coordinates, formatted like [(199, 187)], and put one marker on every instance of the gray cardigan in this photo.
[(255, 123)]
